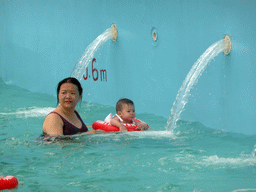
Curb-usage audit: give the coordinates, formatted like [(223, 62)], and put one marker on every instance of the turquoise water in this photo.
[(191, 158)]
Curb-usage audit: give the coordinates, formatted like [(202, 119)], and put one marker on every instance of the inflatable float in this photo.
[(107, 127), (8, 182), (104, 126)]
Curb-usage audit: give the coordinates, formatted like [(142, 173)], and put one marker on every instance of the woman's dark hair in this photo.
[(69, 80)]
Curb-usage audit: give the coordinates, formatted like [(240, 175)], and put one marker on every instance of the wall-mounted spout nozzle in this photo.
[(227, 45), (114, 32), (154, 35)]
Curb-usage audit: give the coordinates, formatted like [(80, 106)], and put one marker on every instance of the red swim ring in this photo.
[(104, 126), (8, 182)]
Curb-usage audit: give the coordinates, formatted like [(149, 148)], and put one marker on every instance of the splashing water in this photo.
[(190, 80), (88, 54), (30, 112), (254, 151)]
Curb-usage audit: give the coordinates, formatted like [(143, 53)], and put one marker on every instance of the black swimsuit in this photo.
[(69, 128)]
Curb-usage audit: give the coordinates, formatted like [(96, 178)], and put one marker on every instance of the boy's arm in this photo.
[(141, 125), (116, 122)]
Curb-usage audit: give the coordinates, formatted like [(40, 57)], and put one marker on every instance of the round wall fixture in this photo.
[(114, 32), (227, 45), (154, 36)]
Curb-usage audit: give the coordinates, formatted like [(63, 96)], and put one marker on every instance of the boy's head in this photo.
[(125, 109), (122, 102)]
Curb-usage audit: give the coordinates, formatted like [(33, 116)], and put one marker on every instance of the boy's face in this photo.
[(127, 113)]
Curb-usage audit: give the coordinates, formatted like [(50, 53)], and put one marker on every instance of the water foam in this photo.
[(141, 134), (216, 161), (153, 134), (238, 190), (30, 112)]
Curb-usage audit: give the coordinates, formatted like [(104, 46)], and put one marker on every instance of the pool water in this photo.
[(190, 158)]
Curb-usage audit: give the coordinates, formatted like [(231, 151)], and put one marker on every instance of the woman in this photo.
[(65, 120)]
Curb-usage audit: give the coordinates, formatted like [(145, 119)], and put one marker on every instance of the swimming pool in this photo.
[(191, 158), (157, 44)]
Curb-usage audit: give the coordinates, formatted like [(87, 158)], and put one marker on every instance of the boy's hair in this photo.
[(119, 104)]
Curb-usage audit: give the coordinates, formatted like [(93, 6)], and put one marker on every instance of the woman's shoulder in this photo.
[(52, 120), (53, 113), (53, 116)]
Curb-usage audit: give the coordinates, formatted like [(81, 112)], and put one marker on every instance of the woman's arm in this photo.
[(53, 125), (89, 132), (83, 133)]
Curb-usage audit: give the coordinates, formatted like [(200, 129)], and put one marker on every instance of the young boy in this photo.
[(125, 114)]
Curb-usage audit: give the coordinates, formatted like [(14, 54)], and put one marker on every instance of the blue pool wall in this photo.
[(41, 41)]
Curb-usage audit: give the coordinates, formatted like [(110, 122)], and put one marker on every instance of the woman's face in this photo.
[(69, 95)]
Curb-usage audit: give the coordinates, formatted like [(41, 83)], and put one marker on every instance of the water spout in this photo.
[(192, 77), (227, 45), (114, 32), (89, 52)]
